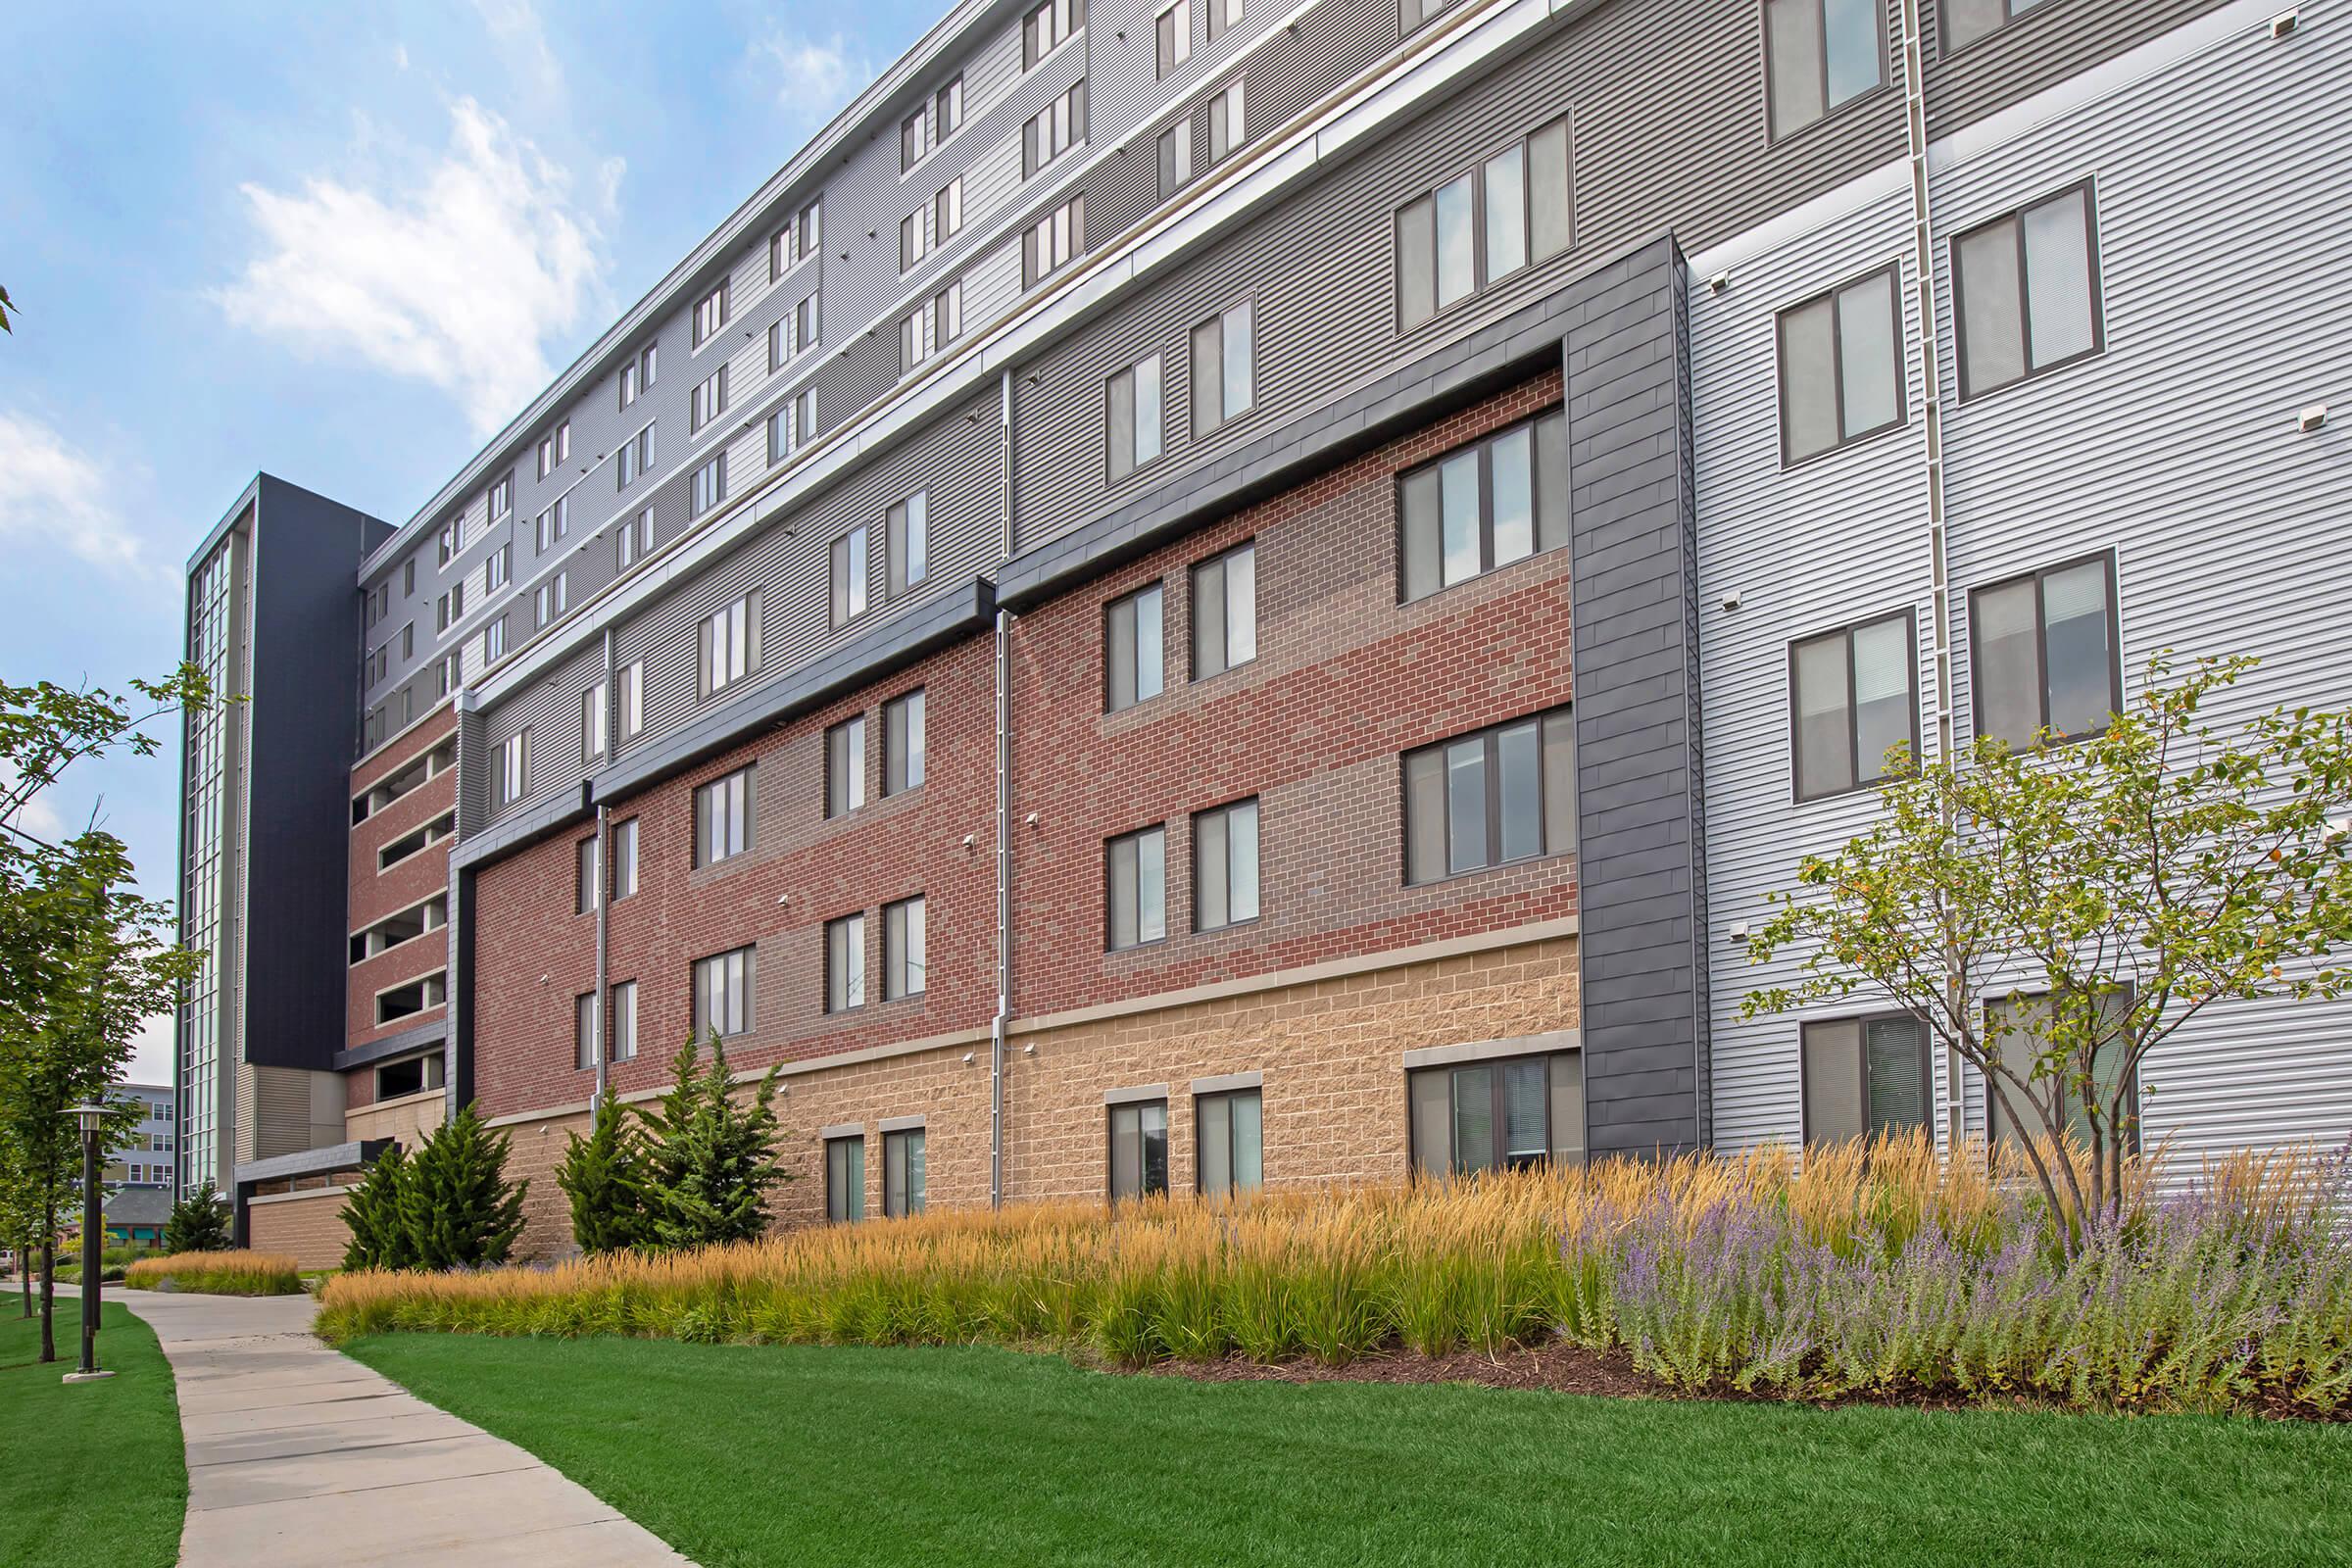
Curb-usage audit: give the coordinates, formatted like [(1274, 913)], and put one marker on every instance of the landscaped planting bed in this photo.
[(218, 1274), (1893, 1277)]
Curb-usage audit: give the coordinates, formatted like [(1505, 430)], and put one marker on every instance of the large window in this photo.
[(1051, 243), (1224, 866), (2027, 288), (1139, 1149), (723, 991), (1225, 611), (1175, 158), (1045, 27), (1132, 660), (637, 374), (849, 573), (635, 457), (906, 543), (711, 314), (1503, 794), (1484, 224), (1864, 1078), (1229, 1135), (904, 1183), (1820, 55), (730, 643), (845, 964), (2044, 652), (1483, 506), (902, 743), (1853, 698), (845, 766), (722, 818), (1496, 1115), (1174, 37), (1053, 129), (2017, 1030), (1226, 131), (707, 401), (1132, 417), (845, 1179), (1841, 366), (709, 485), (1136, 885), (905, 950), (1221, 351)]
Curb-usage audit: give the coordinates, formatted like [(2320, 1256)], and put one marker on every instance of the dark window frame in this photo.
[(1229, 1096), (1215, 320), (1110, 609), (906, 904), (1853, 709), (2039, 576), (1258, 893), (1495, 1066), (1891, 270), (1774, 135), (750, 951), (2093, 256), (837, 924), (1863, 1020), (1995, 1048), (1492, 769), (1110, 1150), (1474, 171), (1112, 473), (1946, 48), (1484, 445), (1111, 943), (853, 770), (895, 1201), (708, 790), (831, 1190), (1222, 561), (900, 704)]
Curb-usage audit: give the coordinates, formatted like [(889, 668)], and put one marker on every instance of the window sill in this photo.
[(1501, 865)]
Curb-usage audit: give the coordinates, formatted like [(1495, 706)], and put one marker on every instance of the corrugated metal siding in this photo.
[(2046, 44), (550, 709), (1322, 266), (992, 286), (990, 183), (1298, 69)]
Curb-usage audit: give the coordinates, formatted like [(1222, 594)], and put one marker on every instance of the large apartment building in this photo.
[(1322, 558)]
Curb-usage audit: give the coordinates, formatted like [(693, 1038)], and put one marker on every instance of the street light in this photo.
[(92, 1120)]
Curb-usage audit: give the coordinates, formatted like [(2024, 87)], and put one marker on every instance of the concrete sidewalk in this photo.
[(299, 1455)]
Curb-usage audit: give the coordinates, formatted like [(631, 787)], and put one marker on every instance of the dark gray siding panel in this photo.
[(2044, 45), (1632, 537)]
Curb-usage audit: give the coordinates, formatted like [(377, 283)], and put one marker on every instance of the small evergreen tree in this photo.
[(199, 1223), (456, 1204), (603, 1176), (710, 1158), (372, 1213)]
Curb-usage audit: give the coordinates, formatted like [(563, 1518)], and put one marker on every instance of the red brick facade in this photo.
[(376, 893)]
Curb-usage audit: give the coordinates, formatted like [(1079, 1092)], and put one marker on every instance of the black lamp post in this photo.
[(92, 1120)]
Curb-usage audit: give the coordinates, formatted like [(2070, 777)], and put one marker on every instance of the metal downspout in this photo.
[(603, 901), (1004, 674)]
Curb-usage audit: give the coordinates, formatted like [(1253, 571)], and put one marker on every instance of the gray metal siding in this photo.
[(2046, 44)]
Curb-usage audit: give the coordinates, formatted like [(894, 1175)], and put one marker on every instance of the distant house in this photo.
[(135, 1216)]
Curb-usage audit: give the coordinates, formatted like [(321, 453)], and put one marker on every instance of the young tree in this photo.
[(711, 1159), (20, 1211), (2115, 888), (379, 1236), (603, 1176), (456, 1204), (198, 1223)]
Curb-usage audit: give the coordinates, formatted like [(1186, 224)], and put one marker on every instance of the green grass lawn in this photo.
[(92, 1474), (757, 1455)]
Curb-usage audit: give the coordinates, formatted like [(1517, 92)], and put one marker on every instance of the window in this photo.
[(710, 485), (723, 818), (910, 141), (2045, 653), (1225, 130), (498, 567), (1864, 1078), (903, 1183), (450, 671), (1221, 368), (1482, 507), (711, 314), (623, 1043), (810, 227), (594, 716), (1225, 611), (2017, 1031), (452, 539), (904, 950), (1415, 14), (1485, 223), (413, 1076), (502, 497), (551, 598), (625, 858), (947, 110), (912, 344), (1139, 1149), (947, 315), (408, 640), (1053, 129), (803, 325), (730, 643), (1175, 30), (2028, 292), (632, 698), (1497, 1115), (779, 253), (1132, 663), (408, 578), (1136, 866), (947, 211), (1853, 697), (551, 523), (1229, 1135), (849, 577), (636, 539), (707, 401), (906, 543), (845, 1180), (1225, 866), (911, 239), (779, 435), (780, 343), (1133, 418), (509, 777), (803, 417), (1222, 16), (637, 376), (1044, 28), (1842, 369), (723, 991), (1820, 55), (902, 743), (554, 447), (1967, 20), (1175, 158), (1504, 793), (845, 766), (845, 964), (583, 1030), (1047, 244), (635, 457)]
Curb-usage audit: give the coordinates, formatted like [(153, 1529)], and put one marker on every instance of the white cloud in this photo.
[(456, 283), (813, 79), (53, 492), (515, 24), (151, 1052), (40, 818)]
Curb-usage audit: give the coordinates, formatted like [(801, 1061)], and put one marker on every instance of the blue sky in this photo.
[(341, 243)]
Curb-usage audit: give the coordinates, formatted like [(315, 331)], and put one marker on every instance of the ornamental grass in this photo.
[(228, 1273), (1883, 1272)]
